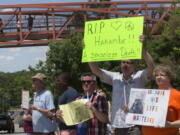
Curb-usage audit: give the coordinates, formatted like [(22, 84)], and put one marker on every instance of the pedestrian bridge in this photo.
[(54, 21)]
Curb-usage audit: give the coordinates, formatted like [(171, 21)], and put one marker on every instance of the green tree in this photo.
[(64, 57), (166, 49), (11, 85)]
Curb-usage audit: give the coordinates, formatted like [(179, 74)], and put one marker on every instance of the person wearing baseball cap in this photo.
[(42, 108)]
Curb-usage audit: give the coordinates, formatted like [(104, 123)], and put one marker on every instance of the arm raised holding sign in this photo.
[(122, 84), (127, 73), (148, 59)]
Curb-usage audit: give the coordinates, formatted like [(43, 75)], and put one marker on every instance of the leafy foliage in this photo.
[(166, 49), (66, 56), (11, 86)]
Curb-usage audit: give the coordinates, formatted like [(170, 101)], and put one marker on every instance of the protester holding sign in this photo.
[(146, 107), (164, 77), (68, 95), (101, 45), (97, 104), (42, 107), (122, 84), (1, 26)]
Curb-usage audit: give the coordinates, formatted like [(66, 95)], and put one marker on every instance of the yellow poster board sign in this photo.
[(113, 39), (76, 112)]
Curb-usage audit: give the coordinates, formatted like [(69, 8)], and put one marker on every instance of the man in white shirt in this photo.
[(122, 84)]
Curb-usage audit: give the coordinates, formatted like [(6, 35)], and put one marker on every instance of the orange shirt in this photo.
[(172, 115)]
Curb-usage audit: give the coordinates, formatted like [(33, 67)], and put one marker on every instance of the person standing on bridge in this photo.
[(30, 23), (18, 25), (69, 94), (1, 26), (42, 108)]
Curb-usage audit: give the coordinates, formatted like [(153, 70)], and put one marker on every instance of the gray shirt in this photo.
[(121, 92)]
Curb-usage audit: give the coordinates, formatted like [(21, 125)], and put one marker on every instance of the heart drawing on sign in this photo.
[(116, 25)]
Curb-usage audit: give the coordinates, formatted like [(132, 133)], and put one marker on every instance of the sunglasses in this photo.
[(87, 81)]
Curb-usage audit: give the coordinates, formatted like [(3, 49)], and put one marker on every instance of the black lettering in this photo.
[(95, 28), (104, 42), (90, 31), (123, 52), (131, 52), (114, 41), (97, 40), (101, 26), (121, 41), (119, 38)]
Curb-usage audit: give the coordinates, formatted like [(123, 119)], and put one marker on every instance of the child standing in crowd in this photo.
[(27, 122)]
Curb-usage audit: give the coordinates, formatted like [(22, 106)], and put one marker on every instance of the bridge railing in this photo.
[(54, 20)]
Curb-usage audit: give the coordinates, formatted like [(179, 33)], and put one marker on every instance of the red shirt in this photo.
[(28, 125)]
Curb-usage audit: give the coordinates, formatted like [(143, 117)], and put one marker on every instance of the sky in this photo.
[(17, 59), (5, 2)]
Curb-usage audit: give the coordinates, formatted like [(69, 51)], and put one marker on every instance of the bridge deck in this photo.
[(54, 21)]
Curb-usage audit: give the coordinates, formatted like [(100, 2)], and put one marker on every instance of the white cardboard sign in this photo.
[(25, 99), (148, 107)]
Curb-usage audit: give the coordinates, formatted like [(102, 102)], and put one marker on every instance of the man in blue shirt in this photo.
[(43, 105), (69, 94)]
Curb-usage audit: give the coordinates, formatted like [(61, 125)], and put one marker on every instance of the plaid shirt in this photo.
[(96, 127)]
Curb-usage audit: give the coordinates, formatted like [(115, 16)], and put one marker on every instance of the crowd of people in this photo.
[(42, 118)]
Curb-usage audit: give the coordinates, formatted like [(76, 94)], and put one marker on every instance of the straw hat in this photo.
[(40, 76)]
